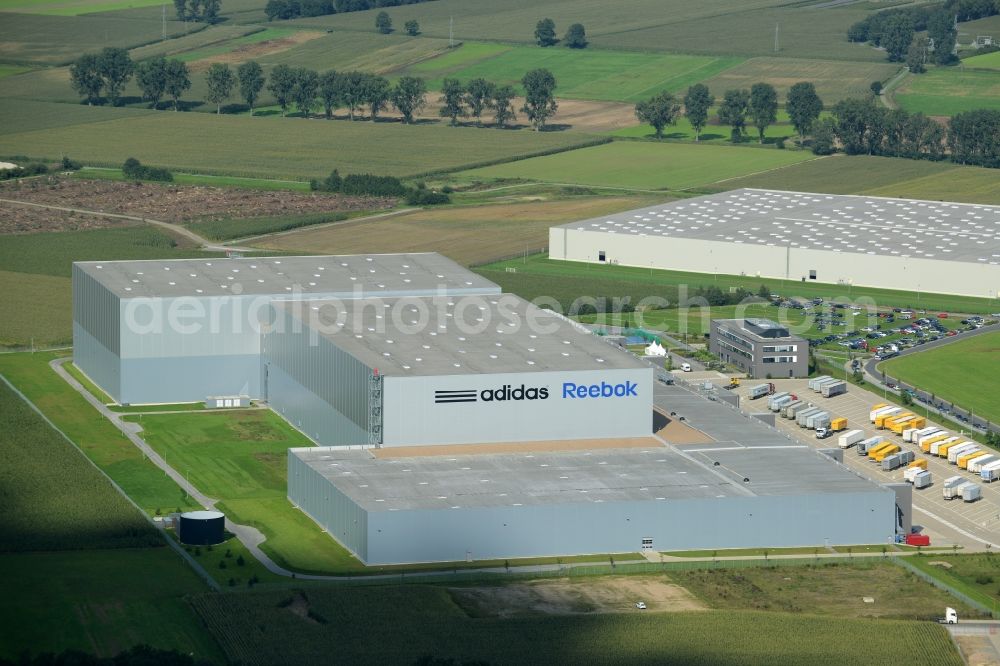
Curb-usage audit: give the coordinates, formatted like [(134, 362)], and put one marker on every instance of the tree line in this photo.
[(289, 9), (757, 106), (895, 30), (545, 35), (109, 71)]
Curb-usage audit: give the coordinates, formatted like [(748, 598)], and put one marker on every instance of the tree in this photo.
[(377, 94), (220, 81), (974, 137), (876, 88), (180, 6), (412, 28), (251, 79), (733, 111), (853, 117), (916, 56), (941, 28), (923, 137), (116, 69), (697, 102), (85, 77), (539, 97), (545, 32), (408, 96), (383, 23), (452, 100), (658, 111), (576, 37), (763, 107), (331, 92), (502, 105), (897, 36), (177, 80), (281, 85), (151, 77), (304, 90), (353, 91), (198, 10), (478, 94), (803, 106)]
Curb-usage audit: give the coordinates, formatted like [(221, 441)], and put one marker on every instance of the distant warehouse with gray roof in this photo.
[(903, 244)]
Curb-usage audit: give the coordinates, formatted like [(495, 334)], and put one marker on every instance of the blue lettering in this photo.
[(602, 390)]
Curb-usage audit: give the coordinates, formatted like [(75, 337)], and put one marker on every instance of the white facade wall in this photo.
[(707, 256), (412, 417)]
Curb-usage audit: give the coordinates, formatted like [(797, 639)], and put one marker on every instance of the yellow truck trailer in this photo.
[(945, 448), (899, 425), (964, 460), (838, 424), (887, 451), (886, 421), (925, 445), (919, 462), (874, 451)]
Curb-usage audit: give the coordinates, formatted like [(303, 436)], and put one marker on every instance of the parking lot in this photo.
[(946, 521)]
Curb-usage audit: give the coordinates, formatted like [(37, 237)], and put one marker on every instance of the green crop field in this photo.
[(880, 176), (962, 372), (366, 51), (234, 43), (282, 147), (984, 61), (25, 116), (262, 629), (11, 70), (631, 164), (106, 173), (945, 91), (57, 40), (37, 308), (241, 459), (211, 36), (146, 484), (73, 7), (102, 602), (589, 74), (567, 280), (54, 499), (722, 27), (834, 80)]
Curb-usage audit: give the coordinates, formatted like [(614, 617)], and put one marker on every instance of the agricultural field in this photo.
[(467, 234), (72, 7), (283, 148), (213, 35), (642, 165), (598, 75), (989, 61), (102, 602), (58, 40), (834, 79), (945, 91), (39, 310), (146, 484), (54, 499), (538, 275), (880, 176), (720, 27), (107, 173), (426, 621), (963, 372), (241, 459)]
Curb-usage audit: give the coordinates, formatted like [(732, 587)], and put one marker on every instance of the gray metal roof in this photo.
[(346, 276), (458, 335), (837, 223), (774, 464), (746, 332)]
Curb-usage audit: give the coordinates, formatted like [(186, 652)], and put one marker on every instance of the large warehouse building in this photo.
[(458, 422), (901, 244)]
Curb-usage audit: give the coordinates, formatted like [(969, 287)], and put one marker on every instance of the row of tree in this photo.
[(758, 105), (206, 11), (545, 35), (895, 30), (863, 127), (289, 9)]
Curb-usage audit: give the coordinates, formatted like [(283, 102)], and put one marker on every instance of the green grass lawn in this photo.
[(102, 602), (945, 91), (11, 70), (984, 61), (283, 148), (963, 372), (566, 280), (630, 164), (590, 74), (149, 487), (977, 575), (426, 621), (39, 310)]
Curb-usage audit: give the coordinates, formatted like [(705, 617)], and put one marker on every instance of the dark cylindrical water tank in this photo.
[(202, 528)]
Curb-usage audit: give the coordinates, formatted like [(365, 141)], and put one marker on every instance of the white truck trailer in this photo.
[(990, 472), (818, 380), (759, 391), (923, 479), (976, 466), (869, 443), (850, 438), (956, 451), (952, 485), (915, 435), (819, 420), (831, 390)]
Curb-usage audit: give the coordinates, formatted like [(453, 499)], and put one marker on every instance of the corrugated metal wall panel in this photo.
[(324, 503)]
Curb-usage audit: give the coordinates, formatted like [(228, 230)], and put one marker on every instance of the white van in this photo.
[(686, 367)]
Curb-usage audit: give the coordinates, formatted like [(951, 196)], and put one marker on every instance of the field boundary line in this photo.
[(310, 227), (779, 168), (198, 569)]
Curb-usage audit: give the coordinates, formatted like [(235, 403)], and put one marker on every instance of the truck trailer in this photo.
[(817, 380), (850, 438), (917, 434), (833, 389), (923, 479), (775, 404), (801, 417), (884, 413), (990, 472), (789, 409), (875, 408), (951, 485), (818, 420), (976, 466), (963, 460), (760, 390), (956, 451), (889, 463), (865, 445), (886, 420), (884, 453)]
